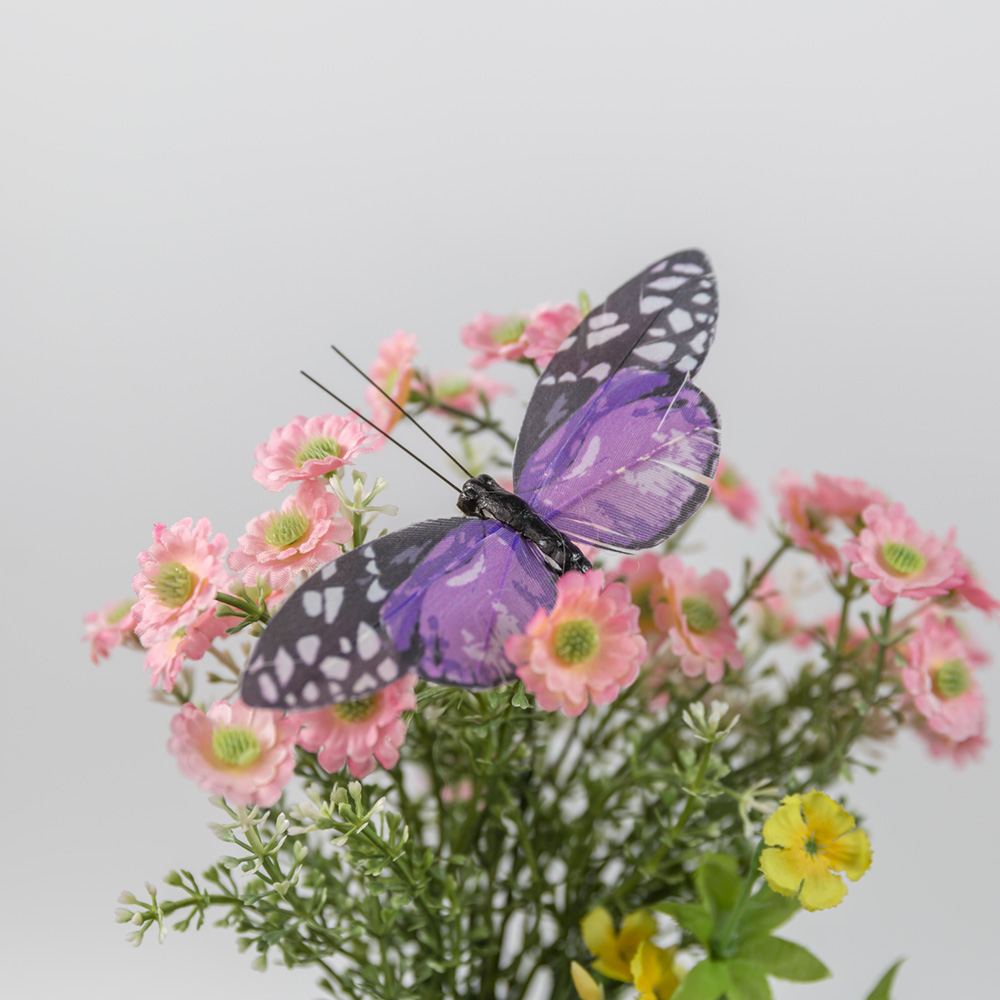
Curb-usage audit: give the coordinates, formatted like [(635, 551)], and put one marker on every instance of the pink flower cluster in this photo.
[(735, 494), (247, 754), (509, 338), (392, 369), (108, 628)]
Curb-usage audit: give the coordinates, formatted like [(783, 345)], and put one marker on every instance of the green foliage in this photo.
[(884, 985)]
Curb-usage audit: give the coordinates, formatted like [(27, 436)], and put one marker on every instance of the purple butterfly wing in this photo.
[(663, 321), (325, 644), (628, 470), (480, 585)]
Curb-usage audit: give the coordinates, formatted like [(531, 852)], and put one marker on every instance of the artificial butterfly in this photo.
[(618, 449)]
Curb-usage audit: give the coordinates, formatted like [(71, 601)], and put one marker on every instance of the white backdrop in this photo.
[(197, 198)]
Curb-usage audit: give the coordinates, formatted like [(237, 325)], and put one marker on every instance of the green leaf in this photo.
[(881, 991), (697, 919), (708, 980), (718, 881), (746, 981), (767, 910), (782, 958)]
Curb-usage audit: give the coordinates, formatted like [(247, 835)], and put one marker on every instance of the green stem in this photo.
[(756, 579), (734, 918)]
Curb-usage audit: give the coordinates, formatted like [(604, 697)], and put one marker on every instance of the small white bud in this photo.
[(122, 916), (127, 898)]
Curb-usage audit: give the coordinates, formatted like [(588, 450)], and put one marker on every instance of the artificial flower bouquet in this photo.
[(634, 812)]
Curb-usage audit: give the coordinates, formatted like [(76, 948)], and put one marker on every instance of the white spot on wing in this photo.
[(656, 331), (328, 570), (476, 570), (369, 642), (364, 683), (312, 603), (603, 336), (333, 597), (680, 321), (388, 669), (698, 344), (566, 344), (310, 692), (598, 372), (657, 352), (667, 284), (567, 377), (307, 647), (656, 268), (335, 668), (689, 269), (345, 644), (268, 688), (701, 299), (686, 364), (549, 380), (376, 592), (600, 322), (284, 666), (653, 303)]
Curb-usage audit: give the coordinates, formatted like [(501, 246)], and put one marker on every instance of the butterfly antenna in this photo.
[(413, 420), (382, 432)]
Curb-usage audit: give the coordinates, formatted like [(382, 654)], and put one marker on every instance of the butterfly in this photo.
[(617, 450)]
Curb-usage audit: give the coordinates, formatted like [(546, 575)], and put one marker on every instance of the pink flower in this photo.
[(461, 391), (900, 558), (836, 496), (177, 579), (960, 753), (775, 619), (940, 679), (806, 519), (299, 538), (498, 338), (392, 369), (643, 575), (547, 328), (108, 628), (359, 733), (972, 591), (245, 754), (695, 617), (166, 657), (735, 494), (588, 647), (309, 448)]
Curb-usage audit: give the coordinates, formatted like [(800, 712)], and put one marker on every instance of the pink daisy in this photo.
[(359, 733), (900, 558), (695, 618), (806, 520), (972, 592), (940, 680), (960, 753), (461, 391), (309, 448), (166, 657), (735, 494), (836, 496), (497, 338), (244, 754), (299, 538), (588, 647), (547, 328), (108, 628), (643, 575), (392, 369), (178, 577)]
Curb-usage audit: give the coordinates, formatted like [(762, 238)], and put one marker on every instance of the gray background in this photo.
[(197, 198)]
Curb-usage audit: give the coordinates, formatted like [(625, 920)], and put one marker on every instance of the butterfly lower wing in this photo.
[(482, 584), (325, 643), (632, 466), (663, 320)]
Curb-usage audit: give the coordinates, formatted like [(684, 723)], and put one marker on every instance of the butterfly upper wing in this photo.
[(631, 467), (663, 321), (480, 585), (325, 643)]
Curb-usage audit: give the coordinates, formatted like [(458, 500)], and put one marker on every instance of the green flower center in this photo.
[(356, 711), (699, 614), (810, 846), (729, 479), (235, 747), (510, 331), (815, 519), (286, 528), (576, 641), (902, 559), (119, 612), (317, 448), (174, 584), (952, 678), (452, 385)]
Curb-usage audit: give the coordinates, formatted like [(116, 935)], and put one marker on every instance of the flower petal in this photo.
[(785, 826), (636, 928), (598, 931), (850, 854), (826, 819), (784, 870), (821, 890), (585, 983)]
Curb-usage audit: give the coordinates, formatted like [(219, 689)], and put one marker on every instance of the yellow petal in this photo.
[(636, 928), (821, 890), (783, 869), (598, 931), (850, 854), (785, 826), (585, 983), (824, 817), (646, 967)]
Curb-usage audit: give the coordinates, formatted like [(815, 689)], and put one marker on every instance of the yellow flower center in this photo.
[(699, 614), (510, 331), (902, 559), (236, 747), (317, 448), (174, 584), (453, 385), (952, 679), (356, 711), (286, 528), (575, 641)]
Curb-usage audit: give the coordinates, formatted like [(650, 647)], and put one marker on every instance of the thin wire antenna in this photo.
[(412, 419), (382, 432)]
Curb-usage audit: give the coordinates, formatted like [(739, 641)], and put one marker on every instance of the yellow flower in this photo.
[(615, 951), (585, 983), (653, 972), (808, 838)]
